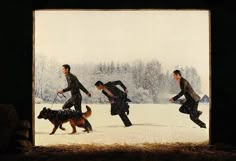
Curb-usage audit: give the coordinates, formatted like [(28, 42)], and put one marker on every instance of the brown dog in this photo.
[(58, 117)]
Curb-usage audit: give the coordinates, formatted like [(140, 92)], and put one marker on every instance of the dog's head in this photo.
[(44, 113)]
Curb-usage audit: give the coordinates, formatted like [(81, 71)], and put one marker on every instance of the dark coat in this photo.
[(74, 85), (119, 95), (187, 91)]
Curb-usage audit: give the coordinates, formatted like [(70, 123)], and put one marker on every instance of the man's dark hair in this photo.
[(177, 72), (98, 83), (66, 66)]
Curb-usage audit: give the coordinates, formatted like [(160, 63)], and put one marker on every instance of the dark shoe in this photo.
[(127, 112), (128, 125), (199, 113), (203, 126)]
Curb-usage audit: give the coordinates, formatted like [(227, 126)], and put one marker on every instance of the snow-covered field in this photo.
[(152, 123)]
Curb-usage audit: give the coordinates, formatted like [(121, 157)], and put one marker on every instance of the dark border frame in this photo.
[(16, 65)]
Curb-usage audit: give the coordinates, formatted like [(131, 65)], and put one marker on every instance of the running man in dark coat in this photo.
[(190, 106), (117, 98), (74, 86)]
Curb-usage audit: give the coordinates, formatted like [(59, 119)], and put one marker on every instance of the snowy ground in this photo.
[(152, 123)]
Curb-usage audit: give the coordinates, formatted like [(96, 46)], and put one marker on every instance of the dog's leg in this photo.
[(54, 129), (86, 129), (62, 128), (87, 126), (73, 127)]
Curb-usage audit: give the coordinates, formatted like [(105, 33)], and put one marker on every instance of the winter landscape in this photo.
[(152, 123), (154, 119), (141, 55)]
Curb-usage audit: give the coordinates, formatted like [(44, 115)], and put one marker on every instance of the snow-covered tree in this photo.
[(145, 80)]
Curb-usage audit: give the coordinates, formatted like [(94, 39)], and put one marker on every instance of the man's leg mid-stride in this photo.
[(117, 109), (125, 119)]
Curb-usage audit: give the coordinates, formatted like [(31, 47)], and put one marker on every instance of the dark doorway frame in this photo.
[(222, 50)]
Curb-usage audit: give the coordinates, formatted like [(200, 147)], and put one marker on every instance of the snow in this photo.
[(152, 123)]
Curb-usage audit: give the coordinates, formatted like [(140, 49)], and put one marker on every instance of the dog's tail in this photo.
[(88, 112)]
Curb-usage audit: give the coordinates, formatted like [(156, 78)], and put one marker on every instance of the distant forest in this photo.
[(146, 81)]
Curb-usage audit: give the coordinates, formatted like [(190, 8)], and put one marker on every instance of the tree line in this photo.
[(146, 81)]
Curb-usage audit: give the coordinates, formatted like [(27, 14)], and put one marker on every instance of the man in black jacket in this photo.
[(190, 106), (117, 98), (74, 86)]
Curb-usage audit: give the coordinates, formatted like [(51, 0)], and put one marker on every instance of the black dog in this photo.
[(58, 117)]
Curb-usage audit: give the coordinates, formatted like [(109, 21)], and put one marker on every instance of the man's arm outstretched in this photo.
[(118, 82)]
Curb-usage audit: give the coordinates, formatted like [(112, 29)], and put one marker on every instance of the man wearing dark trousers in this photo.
[(190, 106), (74, 86), (117, 98)]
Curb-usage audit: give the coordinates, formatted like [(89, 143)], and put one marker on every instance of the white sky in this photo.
[(174, 37)]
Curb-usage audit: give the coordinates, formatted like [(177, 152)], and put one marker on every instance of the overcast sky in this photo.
[(174, 37)]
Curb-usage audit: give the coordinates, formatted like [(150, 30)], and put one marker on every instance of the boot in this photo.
[(198, 113)]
